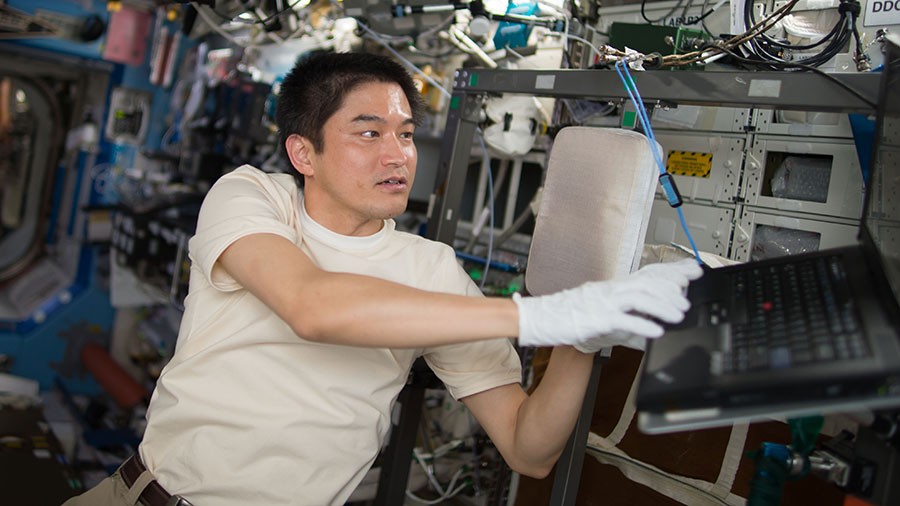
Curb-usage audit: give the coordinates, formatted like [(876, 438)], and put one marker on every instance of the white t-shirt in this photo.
[(247, 412)]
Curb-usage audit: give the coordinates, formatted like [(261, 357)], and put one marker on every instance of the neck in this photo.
[(341, 223)]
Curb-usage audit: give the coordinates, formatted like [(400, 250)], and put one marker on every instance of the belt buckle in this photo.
[(177, 500)]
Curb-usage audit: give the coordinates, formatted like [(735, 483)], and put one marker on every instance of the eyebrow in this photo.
[(373, 117)]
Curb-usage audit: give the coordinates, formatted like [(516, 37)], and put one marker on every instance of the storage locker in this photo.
[(706, 167), (807, 175), (709, 226), (802, 123), (761, 233)]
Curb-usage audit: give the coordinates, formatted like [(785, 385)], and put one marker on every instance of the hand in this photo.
[(681, 272), (605, 313), (617, 338)]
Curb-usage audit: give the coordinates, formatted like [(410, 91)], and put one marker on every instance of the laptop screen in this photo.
[(882, 217)]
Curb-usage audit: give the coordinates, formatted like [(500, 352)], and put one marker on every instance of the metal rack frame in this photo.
[(764, 90)]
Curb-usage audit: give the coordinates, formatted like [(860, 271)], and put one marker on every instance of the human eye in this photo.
[(406, 135), (370, 134)]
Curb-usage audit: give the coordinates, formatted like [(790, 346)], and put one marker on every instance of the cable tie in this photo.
[(653, 61), (851, 6)]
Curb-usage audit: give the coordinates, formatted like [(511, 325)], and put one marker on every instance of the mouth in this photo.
[(395, 182)]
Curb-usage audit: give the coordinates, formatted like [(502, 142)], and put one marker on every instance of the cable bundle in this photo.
[(768, 48)]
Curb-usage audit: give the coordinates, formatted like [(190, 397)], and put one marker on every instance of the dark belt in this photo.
[(153, 494)]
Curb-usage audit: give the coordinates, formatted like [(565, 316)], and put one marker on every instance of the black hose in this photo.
[(651, 21), (836, 39)]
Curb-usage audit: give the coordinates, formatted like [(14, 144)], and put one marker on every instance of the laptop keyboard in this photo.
[(792, 313)]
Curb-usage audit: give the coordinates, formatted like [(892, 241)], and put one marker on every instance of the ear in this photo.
[(299, 150)]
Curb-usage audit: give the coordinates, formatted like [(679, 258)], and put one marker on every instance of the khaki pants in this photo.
[(112, 492)]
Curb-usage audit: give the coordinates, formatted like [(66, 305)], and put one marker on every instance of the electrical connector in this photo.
[(673, 196)]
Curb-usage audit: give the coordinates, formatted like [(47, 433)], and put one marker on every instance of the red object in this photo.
[(126, 391), (126, 37), (767, 306), (853, 501)]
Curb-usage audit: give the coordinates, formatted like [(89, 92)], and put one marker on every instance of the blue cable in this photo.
[(515, 269), (645, 122)]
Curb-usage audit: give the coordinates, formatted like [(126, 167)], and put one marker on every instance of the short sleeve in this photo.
[(244, 202), (470, 368)]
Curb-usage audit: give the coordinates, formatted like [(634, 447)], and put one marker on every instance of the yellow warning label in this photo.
[(687, 163)]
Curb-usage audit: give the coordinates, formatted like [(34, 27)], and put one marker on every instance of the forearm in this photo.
[(545, 420), (365, 311), (359, 310)]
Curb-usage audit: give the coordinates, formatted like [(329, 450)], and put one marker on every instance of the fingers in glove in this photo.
[(664, 273), (638, 325), (615, 338), (661, 290), (635, 343), (681, 273), (667, 309), (689, 268)]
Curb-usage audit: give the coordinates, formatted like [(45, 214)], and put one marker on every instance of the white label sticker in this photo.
[(818, 5), (545, 82), (764, 88), (882, 12), (737, 16)]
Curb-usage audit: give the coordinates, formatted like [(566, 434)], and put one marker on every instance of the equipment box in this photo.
[(701, 119), (802, 123), (709, 226), (706, 167), (129, 236), (808, 176), (762, 233)]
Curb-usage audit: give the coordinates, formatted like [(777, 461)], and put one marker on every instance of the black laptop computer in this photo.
[(797, 335)]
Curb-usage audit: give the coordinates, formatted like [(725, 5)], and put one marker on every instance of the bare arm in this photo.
[(531, 431), (359, 310), (351, 309)]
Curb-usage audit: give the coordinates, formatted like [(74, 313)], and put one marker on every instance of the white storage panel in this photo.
[(701, 118), (761, 233), (802, 123), (809, 176), (690, 118), (706, 167), (709, 226)]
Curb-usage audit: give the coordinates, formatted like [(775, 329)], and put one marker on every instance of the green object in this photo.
[(770, 475), (629, 119), (652, 38), (454, 102), (773, 461), (804, 432), (473, 80)]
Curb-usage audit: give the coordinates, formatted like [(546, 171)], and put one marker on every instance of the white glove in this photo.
[(602, 313)]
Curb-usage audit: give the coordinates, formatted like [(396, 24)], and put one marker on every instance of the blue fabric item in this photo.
[(515, 34), (863, 134)]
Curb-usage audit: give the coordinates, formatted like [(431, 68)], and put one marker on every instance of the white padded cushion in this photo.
[(594, 210)]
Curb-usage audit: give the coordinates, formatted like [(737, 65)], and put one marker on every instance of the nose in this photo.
[(397, 151)]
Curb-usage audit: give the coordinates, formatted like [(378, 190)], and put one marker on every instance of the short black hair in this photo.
[(315, 89)]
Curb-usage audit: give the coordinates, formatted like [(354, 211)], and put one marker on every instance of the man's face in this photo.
[(366, 168)]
